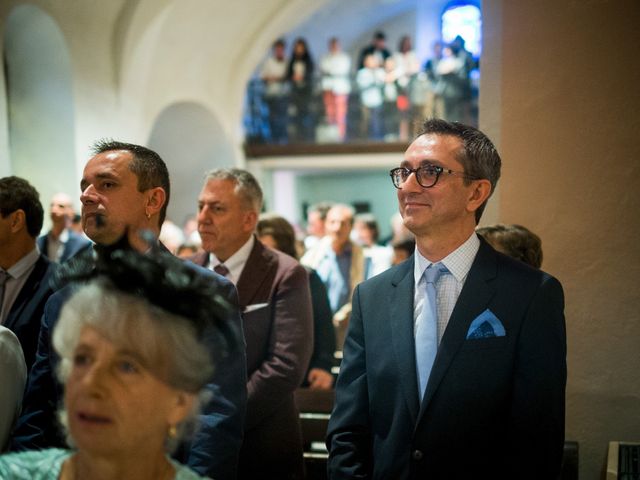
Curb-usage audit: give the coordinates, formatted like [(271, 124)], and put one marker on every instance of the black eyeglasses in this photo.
[(426, 175)]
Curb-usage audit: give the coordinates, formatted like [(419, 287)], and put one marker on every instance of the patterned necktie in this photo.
[(427, 328), (4, 276), (221, 269)]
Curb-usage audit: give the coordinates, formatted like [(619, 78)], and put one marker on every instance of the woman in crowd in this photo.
[(514, 240), (335, 67), (407, 66), (134, 366), (300, 76), (453, 79), (390, 111), (277, 233), (276, 96), (371, 80)]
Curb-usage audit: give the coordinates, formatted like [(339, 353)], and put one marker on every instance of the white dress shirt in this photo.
[(55, 246), (335, 68), (235, 263), (274, 68)]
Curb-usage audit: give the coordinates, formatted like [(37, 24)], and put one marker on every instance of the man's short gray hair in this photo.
[(344, 208), (247, 186)]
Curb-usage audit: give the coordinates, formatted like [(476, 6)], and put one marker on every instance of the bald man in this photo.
[(61, 243)]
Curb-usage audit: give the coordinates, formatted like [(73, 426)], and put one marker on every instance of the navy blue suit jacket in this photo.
[(214, 450), (493, 407), (75, 244), (25, 314)]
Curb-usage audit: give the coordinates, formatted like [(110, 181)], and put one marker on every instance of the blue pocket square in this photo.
[(486, 325)]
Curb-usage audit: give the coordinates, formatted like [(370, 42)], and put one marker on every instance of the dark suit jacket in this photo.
[(215, 448), (75, 244), (26, 311), (324, 335), (493, 407), (274, 296)]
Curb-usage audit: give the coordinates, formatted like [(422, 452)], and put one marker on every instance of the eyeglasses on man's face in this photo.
[(426, 175)]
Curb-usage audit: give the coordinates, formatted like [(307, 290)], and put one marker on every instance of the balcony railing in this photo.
[(294, 124)]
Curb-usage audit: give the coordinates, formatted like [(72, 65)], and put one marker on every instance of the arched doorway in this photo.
[(191, 141), (39, 102)]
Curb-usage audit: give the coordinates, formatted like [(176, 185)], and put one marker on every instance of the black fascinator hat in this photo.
[(160, 278)]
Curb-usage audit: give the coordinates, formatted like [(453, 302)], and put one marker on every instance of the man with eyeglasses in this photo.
[(454, 364)]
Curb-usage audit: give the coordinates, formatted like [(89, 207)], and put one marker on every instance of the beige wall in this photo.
[(568, 121)]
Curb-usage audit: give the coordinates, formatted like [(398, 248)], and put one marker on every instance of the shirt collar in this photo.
[(235, 263), (457, 262), (24, 264)]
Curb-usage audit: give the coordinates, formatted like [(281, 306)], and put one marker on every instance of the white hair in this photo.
[(166, 343)]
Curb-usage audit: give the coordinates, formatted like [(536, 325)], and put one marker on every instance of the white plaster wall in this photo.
[(39, 101), (5, 156), (202, 146), (204, 52), (5, 165), (132, 59), (88, 27), (86, 30)]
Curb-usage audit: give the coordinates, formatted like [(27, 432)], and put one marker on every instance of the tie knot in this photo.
[(221, 269), (4, 276), (433, 272)]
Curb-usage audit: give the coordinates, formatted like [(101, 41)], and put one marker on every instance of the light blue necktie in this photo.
[(427, 331)]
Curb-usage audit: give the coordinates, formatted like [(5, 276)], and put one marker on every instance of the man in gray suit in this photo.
[(455, 361), (273, 291)]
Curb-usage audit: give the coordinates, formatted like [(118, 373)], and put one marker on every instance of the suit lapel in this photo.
[(402, 336), (200, 258), (162, 247), (28, 294), (473, 300), (42, 245), (70, 248), (254, 273), (67, 250)]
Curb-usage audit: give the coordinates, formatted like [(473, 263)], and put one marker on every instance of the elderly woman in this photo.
[(134, 367)]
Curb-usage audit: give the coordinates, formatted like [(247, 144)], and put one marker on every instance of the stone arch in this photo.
[(40, 101), (191, 141)]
